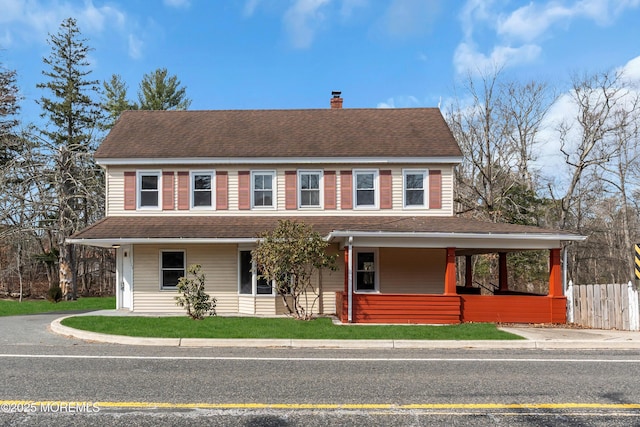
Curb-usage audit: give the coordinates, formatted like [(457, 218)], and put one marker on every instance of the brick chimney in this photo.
[(336, 101)]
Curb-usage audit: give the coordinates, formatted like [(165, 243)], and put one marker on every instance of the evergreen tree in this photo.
[(115, 100), (158, 91), (9, 108), (73, 117)]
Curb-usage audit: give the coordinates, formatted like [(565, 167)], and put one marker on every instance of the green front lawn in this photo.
[(14, 307), (251, 327)]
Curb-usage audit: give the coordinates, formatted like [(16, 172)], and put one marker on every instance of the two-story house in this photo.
[(196, 187)]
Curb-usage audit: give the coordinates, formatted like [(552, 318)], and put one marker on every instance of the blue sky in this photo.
[(259, 54)]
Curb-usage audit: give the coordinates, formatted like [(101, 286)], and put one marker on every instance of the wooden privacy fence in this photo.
[(613, 306)]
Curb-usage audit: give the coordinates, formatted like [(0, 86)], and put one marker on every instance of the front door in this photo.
[(124, 276)]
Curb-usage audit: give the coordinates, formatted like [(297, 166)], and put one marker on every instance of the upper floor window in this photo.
[(149, 189), (414, 188), (309, 188), (366, 188), (262, 189), (202, 189), (172, 268)]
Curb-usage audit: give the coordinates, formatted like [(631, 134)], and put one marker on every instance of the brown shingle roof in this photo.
[(237, 227), (415, 132)]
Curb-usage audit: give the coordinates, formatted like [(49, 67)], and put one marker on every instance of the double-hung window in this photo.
[(172, 268), (202, 190), (366, 188), (415, 185), (149, 194), (250, 283), (263, 184), (309, 189)]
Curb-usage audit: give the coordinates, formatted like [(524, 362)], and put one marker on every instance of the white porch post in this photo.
[(564, 269), (350, 281)]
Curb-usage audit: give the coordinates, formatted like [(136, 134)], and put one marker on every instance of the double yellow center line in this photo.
[(316, 406)]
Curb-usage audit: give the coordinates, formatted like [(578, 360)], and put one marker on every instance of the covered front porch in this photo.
[(456, 299)]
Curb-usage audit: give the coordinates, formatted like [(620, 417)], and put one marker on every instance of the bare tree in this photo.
[(589, 138)]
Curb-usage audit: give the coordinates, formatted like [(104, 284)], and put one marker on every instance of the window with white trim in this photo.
[(202, 183), (149, 194), (415, 185), (365, 188), (309, 194), (366, 270), (172, 268), (263, 184), (250, 283)]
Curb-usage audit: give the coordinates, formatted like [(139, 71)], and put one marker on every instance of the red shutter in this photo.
[(183, 190), (346, 191), (244, 190), (435, 189), (329, 189), (222, 190), (168, 199), (290, 190), (129, 191), (386, 196)]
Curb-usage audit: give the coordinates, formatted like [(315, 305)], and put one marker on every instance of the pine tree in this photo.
[(161, 92), (73, 117), (115, 100), (9, 109)]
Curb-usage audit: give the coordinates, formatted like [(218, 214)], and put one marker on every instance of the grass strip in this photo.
[(251, 327), (14, 307)]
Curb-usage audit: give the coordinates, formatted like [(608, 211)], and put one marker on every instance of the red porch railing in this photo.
[(514, 309), (400, 308), (451, 309)]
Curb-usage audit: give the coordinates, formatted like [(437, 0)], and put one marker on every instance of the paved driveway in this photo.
[(32, 329)]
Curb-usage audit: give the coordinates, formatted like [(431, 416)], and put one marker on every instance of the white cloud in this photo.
[(177, 3), (135, 46), (303, 19), (408, 101), (521, 31), (535, 20), (468, 59), (27, 22), (33, 20), (529, 22), (631, 70), (250, 7)]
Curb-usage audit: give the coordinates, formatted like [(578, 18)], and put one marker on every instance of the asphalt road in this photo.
[(52, 380)]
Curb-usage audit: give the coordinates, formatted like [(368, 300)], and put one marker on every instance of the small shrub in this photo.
[(54, 294), (197, 302)]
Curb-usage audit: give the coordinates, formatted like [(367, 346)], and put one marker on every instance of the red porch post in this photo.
[(450, 273), (503, 284), (468, 276), (555, 273)]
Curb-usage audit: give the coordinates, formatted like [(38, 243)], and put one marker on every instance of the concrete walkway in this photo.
[(535, 338)]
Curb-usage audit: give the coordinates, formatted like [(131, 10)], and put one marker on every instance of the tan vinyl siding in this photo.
[(219, 264), (447, 191), (411, 271), (115, 198), (246, 304), (265, 305)]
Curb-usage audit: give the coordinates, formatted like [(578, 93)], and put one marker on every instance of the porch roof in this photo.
[(467, 235)]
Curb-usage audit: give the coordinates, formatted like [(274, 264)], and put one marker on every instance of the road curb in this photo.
[(531, 344)]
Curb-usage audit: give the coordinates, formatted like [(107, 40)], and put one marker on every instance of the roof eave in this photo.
[(275, 160), (115, 242)]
